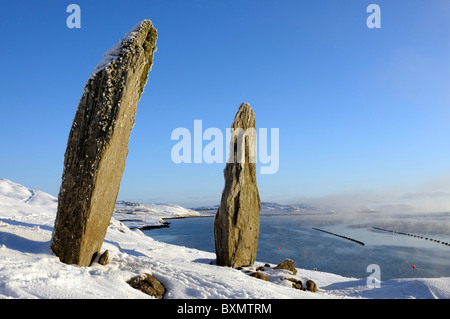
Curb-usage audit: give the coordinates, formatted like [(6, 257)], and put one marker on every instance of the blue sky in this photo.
[(357, 109)]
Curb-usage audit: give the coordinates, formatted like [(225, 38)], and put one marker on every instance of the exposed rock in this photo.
[(148, 284), (98, 145), (311, 286), (103, 260), (259, 276), (236, 224), (287, 264)]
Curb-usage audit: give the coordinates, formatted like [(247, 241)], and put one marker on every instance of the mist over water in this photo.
[(294, 237)]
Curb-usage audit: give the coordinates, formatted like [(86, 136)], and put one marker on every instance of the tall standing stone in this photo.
[(98, 146), (236, 224)]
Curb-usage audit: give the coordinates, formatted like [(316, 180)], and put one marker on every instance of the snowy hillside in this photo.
[(28, 269), (138, 215)]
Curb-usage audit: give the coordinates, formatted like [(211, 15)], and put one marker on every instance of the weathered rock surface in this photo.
[(148, 284), (98, 145), (296, 283), (103, 260), (236, 224), (287, 264), (311, 286), (259, 276)]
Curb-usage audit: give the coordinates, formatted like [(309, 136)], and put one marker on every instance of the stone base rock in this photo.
[(296, 283), (103, 259)]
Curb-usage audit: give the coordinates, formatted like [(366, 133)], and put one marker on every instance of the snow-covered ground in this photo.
[(28, 268)]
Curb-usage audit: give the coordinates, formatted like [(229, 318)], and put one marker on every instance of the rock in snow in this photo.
[(98, 146), (28, 268), (236, 225)]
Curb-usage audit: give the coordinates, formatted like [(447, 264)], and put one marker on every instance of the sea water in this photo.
[(405, 246)]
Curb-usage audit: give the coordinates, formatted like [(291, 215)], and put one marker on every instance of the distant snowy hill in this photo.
[(142, 215), (29, 270), (138, 215)]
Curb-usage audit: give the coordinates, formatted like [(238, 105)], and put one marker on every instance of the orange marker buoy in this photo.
[(414, 266), (278, 248)]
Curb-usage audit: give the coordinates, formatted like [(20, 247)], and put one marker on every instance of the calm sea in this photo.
[(404, 246)]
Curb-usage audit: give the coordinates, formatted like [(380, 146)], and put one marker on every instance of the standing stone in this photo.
[(98, 146), (236, 224)]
